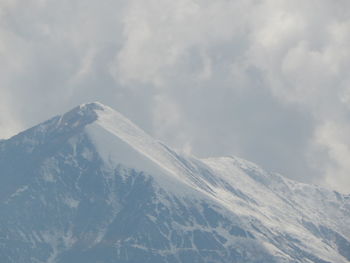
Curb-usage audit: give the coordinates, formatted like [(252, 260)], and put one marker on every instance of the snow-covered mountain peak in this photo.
[(89, 113), (119, 141), (84, 113), (91, 186)]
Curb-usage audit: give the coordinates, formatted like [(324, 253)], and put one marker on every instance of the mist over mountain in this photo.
[(90, 186)]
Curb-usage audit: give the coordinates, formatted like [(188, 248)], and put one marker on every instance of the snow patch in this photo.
[(71, 202)]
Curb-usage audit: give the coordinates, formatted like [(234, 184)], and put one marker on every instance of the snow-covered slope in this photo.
[(90, 186)]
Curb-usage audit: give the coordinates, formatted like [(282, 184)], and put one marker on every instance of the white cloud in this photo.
[(8, 122), (159, 33), (334, 138)]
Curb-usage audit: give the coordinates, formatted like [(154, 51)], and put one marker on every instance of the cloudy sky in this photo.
[(267, 80)]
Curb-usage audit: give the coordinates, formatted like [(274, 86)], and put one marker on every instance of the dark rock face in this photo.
[(59, 203)]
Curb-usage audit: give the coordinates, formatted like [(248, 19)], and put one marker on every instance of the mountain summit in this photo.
[(90, 186)]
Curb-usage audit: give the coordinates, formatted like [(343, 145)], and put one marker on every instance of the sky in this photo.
[(266, 80)]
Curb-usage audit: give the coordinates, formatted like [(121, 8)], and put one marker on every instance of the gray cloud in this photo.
[(266, 80)]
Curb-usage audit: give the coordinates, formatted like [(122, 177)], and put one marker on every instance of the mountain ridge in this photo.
[(117, 190)]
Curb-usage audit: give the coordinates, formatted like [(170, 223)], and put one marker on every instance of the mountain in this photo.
[(91, 187)]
